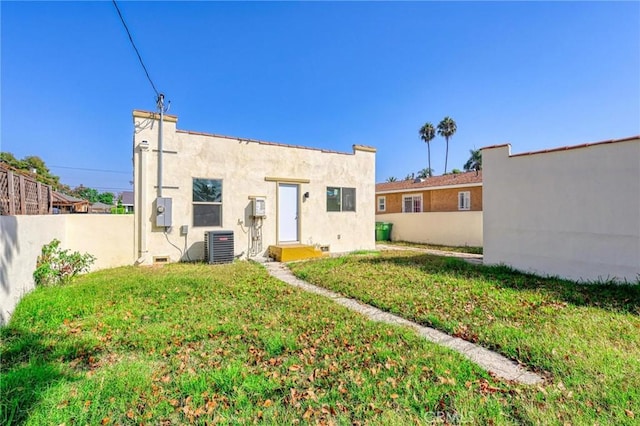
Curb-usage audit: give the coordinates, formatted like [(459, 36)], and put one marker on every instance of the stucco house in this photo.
[(258, 195), (443, 210)]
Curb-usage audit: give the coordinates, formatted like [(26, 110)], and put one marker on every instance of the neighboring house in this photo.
[(444, 210), (100, 207), (266, 194), (447, 193), (126, 199), (572, 211), (63, 203)]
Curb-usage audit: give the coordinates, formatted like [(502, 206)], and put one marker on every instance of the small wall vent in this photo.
[(218, 246)]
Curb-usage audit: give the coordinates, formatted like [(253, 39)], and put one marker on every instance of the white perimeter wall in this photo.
[(573, 213), (108, 237), (443, 228)]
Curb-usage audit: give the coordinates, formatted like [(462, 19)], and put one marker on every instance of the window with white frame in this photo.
[(207, 202), (382, 204), (341, 199), (412, 203), (464, 200)]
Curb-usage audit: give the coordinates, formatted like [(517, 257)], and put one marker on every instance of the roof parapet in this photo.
[(137, 113)]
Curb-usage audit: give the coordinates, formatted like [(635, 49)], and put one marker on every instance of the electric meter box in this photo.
[(259, 207), (163, 211)]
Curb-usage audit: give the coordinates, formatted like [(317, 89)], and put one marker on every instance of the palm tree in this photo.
[(425, 173), (391, 179), (447, 127), (427, 133), (475, 161)]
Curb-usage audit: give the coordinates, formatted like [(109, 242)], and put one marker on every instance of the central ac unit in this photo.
[(218, 246)]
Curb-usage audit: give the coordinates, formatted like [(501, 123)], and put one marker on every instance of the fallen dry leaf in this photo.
[(307, 414)]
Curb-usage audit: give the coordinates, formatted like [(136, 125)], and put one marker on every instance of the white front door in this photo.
[(287, 213)]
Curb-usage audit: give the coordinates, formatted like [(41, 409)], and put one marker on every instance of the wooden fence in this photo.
[(21, 194)]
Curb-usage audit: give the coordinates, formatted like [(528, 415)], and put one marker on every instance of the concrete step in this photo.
[(291, 252)]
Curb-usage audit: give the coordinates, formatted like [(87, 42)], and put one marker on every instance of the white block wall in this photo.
[(573, 213)]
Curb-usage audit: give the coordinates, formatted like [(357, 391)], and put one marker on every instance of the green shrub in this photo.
[(57, 266)]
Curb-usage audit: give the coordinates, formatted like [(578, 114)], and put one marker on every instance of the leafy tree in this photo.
[(425, 173), (34, 166), (106, 198), (86, 193), (8, 158), (475, 160), (446, 128), (427, 133), (391, 179), (410, 176)]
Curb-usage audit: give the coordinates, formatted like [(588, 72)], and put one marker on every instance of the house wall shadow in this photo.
[(194, 253), (612, 297), (30, 367)]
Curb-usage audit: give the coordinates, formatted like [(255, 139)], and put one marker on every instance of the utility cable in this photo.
[(186, 250), (91, 170), (135, 48), (175, 246)]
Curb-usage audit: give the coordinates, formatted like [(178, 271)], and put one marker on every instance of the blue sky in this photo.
[(322, 74)]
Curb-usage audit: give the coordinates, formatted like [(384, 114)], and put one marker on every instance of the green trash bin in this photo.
[(383, 231), (386, 229)]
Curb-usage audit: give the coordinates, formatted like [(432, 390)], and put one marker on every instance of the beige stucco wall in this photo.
[(108, 237), (247, 168), (443, 228), (573, 213)]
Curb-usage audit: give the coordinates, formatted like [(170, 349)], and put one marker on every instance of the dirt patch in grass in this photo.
[(457, 249)]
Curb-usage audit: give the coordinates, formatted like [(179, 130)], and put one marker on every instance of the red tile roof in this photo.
[(468, 178)]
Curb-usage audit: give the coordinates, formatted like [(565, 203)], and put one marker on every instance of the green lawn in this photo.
[(584, 338), (228, 344)]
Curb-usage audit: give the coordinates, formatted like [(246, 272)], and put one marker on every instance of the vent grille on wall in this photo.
[(218, 246)]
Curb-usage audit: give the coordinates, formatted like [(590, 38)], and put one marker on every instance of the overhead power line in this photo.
[(91, 170), (135, 48)]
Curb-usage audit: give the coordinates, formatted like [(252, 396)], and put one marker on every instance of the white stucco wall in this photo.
[(108, 237), (247, 168), (573, 213), (442, 228)]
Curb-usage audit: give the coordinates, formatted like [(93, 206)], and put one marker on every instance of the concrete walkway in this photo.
[(491, 361)]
